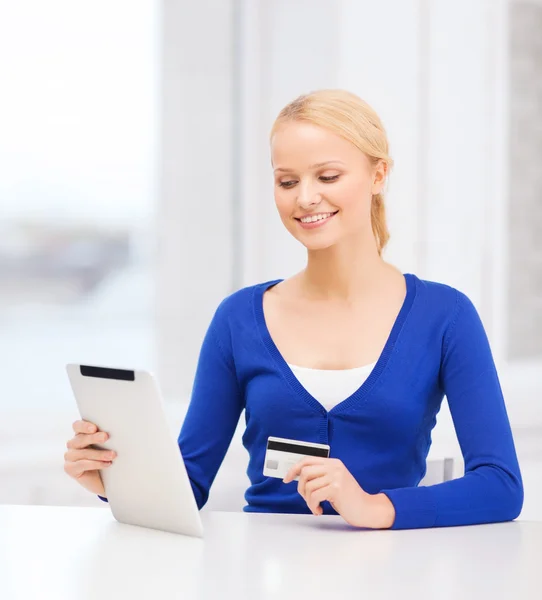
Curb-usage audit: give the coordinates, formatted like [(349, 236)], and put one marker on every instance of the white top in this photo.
[(330, 387), (62, 553)]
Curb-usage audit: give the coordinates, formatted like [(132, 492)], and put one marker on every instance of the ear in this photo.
[(380, 172)]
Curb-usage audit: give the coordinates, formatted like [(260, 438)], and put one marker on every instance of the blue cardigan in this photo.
[(382, 432)]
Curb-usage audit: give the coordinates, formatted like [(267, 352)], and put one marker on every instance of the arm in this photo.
[(491, 489), (214, 410), (213, 413)]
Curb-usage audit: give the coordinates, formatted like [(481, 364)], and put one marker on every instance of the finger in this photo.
[(311, 487), (80, 467), (306, 462), (317, 483), (317, 496), (309, 473), (84, 427), (90, 454), (83, 440)]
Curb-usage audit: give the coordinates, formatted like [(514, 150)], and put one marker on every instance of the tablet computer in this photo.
[(147, 484)]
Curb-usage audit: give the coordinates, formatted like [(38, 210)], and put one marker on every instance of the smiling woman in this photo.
[(324, 161), (393, 344)]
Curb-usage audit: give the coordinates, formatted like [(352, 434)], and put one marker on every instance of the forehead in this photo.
[(298, 144)]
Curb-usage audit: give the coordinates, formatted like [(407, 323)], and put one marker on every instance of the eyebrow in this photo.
[(315, 166)]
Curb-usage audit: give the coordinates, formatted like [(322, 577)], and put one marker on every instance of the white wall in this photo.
[(194, 222)]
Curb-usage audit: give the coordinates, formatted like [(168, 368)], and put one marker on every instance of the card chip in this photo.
[(272, 464)]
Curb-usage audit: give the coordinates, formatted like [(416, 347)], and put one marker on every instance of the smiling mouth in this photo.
[(316, 218)]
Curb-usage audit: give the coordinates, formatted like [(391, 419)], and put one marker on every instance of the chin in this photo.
[(316, 244)]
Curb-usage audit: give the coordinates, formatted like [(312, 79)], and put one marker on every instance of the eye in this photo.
[(287, 184), (329, 178)]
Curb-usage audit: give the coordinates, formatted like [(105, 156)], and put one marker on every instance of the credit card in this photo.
[(282, 454)]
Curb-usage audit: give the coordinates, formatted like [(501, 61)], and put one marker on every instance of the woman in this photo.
[(349, 352)]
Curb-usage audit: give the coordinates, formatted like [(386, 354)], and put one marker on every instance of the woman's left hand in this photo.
[(328, 479)]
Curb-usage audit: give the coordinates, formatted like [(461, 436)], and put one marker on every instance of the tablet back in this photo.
[(147, 483)]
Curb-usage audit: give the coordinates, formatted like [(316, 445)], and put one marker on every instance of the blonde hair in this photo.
[(353, 119)]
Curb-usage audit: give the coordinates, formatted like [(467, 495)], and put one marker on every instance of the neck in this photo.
[(344, 271)]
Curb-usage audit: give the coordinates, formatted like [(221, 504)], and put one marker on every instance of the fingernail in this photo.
[(91, 429)]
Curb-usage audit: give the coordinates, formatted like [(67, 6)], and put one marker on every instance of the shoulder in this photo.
[(441, 297), (447, 304), (241, 302)]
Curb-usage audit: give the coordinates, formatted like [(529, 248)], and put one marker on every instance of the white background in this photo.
[(155, 116)]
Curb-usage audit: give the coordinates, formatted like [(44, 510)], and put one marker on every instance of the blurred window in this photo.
[(77, 189)]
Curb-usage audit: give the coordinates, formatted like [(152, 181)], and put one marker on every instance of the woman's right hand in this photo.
[(84, 463)]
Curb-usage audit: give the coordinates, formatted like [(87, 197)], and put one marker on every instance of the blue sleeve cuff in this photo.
[(103, 499), (414, 507)]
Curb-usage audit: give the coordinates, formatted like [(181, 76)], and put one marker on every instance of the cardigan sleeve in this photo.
[(491, 489), (214, 410), (215, 407)]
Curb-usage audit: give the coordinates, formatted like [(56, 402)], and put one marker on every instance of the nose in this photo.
[(307, 196)]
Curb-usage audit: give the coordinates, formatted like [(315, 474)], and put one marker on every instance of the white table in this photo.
[(82, 553)]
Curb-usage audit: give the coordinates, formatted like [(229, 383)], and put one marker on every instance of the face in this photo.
[(323, 184)]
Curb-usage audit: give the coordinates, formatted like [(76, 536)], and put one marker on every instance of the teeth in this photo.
[(315, 218)]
